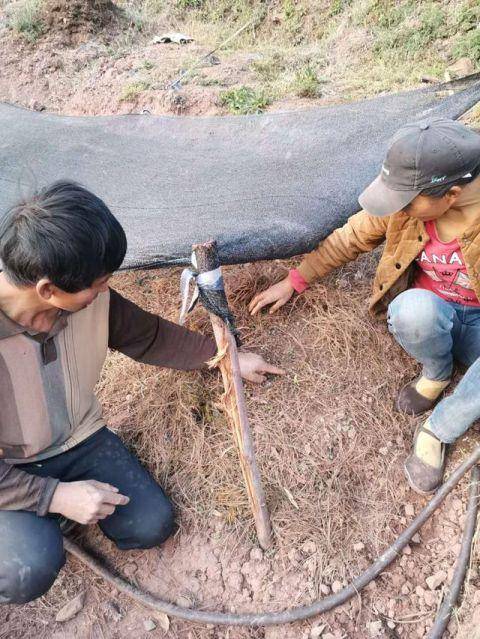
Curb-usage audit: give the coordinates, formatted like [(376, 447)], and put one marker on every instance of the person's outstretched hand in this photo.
[(278, 295), (254, 368)]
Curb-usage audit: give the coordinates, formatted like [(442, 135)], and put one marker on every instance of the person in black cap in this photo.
[(425, 206)]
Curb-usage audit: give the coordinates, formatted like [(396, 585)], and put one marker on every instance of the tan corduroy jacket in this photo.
[(404, 238)]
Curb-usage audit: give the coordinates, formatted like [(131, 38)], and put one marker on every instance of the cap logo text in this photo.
[(438, 178)]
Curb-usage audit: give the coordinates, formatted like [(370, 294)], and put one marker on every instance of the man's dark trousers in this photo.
[(31, 547)]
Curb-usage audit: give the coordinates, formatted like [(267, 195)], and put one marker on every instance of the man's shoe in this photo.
[(421, 476), (413, 402)]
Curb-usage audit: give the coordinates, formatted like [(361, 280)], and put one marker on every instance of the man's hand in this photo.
[(254, 368), (278, 295), (86, 501)]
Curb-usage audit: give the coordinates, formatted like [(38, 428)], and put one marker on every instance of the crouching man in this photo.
[(58, 317)]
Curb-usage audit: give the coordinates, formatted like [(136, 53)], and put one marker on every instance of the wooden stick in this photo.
[(207, 260)]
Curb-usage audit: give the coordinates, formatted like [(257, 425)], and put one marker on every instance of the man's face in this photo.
[(74, 302), (427, 208)]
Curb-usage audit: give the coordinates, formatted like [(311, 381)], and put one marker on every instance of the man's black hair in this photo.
[(440, 191), (65, 233)]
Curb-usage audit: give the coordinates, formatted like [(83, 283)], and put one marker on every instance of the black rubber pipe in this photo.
[(449, 602), (295, 614)]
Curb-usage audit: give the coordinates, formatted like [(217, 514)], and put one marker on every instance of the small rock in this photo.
[(460, 68), (416, 539), (406, 588), (70, 609), (359, 547), (337, 586), (329, 635), (374, 628), (256, 554), (436, 580), (38, 106), (324, 589), (409, 510), (430, 598), (391, 625), (317, 631), (183, 602), (383, 451), (149, 625), (113, 611), (420, 591), (235, 581), (407, 550), (163, 620)]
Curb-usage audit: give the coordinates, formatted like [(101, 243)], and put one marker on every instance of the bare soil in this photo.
[(329, 445)]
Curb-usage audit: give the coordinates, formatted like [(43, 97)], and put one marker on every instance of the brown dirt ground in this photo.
[(89, 63), (329, 446)]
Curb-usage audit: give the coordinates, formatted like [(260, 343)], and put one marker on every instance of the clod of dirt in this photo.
[(337, 586), (374, 628), (78, 19), (112, 611), (37, 106), (70, 609), (409, 510), (149, 625), (461, 68), (436, 580), (317, 631), (163, 621)]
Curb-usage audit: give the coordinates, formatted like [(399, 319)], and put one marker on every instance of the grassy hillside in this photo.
[(291, 49)]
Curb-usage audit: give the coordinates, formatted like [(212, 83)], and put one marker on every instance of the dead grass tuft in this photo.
[(318, 431)]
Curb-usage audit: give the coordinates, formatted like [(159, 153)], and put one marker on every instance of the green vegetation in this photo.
[(409, 30), (400, 33), (270, 67), (132, 91), (25, 19), (338, 6), (203, 81), (292, 47), (306, 83), (189, 4), (244, 100), (469, 46)]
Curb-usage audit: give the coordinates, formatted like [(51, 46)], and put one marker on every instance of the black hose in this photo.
[(296, 614), (448, 604)]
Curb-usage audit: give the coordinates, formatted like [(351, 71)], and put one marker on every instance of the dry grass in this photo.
[(318, 430), (329, 447)]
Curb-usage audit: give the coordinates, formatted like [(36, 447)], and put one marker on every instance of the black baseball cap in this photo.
[(421, 155)]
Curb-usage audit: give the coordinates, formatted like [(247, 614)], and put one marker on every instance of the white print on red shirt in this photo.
[(442, 270), (449, 269)]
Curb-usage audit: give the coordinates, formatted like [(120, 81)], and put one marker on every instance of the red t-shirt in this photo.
[(441, 269)]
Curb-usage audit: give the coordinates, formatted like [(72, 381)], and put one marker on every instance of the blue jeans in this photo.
[(31, 547), (436, 332)]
